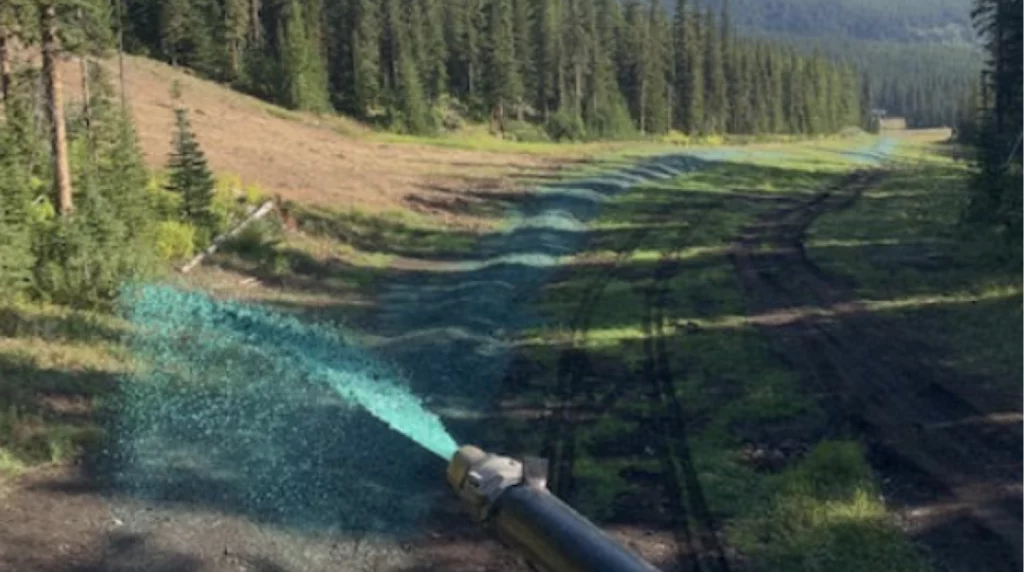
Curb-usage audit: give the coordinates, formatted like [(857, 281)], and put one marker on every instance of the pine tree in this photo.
[(471, 44), (632, 49), (175, 22), (693, 95), (575, 51), (547, 54), (715, 94), (16, 147), (742, 104), (435, 50), (237, 24), (118, 168), (338, 21), (524, 53), (504, 85), (605, 111), (681, 81), (995, 202), (733, 106), (303, 73), (190, 177), (656, 70), (412, 114), (366, 38)]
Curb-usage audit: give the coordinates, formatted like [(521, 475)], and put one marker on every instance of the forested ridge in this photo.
[(581, 68), (931, 21), (920, 58)]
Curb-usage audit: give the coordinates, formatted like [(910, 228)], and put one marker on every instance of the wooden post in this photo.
[(55, 109)]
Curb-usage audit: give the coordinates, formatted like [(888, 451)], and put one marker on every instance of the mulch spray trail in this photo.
[(245, 412), (249, 411)]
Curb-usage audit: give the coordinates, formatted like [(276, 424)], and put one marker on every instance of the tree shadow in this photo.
[(22, 322)]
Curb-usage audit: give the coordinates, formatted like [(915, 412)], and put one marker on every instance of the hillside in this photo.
[(918, 55), (912, 21), (324, 160)]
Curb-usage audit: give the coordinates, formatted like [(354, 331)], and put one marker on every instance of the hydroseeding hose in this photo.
[(511, 498)]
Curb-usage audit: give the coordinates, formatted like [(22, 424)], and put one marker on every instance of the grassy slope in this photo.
[(821, 512)]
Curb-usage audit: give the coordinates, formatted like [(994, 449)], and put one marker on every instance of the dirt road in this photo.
[(953, 471)]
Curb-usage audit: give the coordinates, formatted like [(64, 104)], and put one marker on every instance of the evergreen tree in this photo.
[(715, 105), (681, 82), (734, 90), (17, 145), (605, 110), (575, 50), (190, 177), (595, 62), (524, 53), (237, 23), (547, 54), (694, 89), (656, 70), (996, 203), (366, 63), (412, 114), (504, 85), (435, 50), (303, 73)]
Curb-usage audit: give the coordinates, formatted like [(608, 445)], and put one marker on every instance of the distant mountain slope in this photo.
[(929, 21), (919, 56)]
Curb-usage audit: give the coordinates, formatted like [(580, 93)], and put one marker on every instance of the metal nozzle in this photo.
[(510, 496), (479, 478)]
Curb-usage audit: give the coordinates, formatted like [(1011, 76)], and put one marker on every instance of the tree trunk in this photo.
[(5, 67), (255, 28), (86, 110), (643, 104), (55, 109), (233, 50), (120, 56), (578, 88)]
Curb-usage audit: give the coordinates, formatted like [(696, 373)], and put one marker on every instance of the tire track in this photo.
[(694, 527), (875, 374), (573, 366)]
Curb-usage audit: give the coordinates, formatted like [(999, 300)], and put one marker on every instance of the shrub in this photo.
[(526, 132), (175, 240), (449, 113), (566, 125), (259, 240)]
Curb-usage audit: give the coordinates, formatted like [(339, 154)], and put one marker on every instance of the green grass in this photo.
[(821, 512), (912, 260), (824, 513), (57, 367)]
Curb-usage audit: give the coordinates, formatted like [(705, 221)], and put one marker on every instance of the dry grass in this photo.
[(326, 160)]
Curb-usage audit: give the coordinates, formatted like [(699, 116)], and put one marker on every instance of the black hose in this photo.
[(556, 538)]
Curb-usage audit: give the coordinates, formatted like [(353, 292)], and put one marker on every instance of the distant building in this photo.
[(892, 123)]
